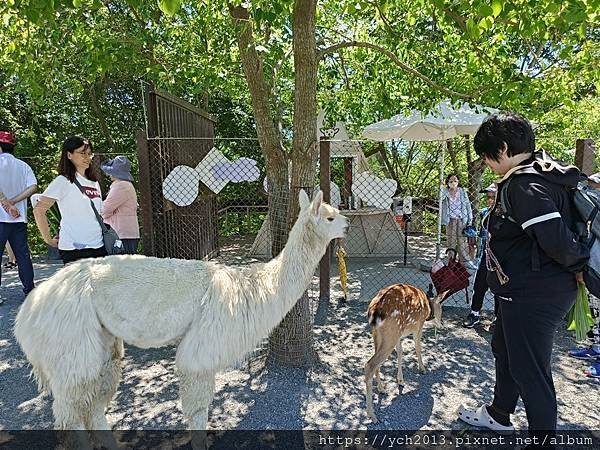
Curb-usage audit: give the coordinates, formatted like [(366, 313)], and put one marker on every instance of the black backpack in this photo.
[(585, 203)]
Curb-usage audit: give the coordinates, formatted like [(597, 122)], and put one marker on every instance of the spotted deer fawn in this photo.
[(395, 312)]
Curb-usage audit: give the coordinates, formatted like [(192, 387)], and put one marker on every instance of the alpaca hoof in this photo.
[(106, 439), (199, 440), (422, 369), (373, 418)]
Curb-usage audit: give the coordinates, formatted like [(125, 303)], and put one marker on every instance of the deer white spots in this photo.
[(412, 309)]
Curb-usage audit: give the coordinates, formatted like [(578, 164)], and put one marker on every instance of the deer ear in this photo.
[(303, 200), (316, 203)]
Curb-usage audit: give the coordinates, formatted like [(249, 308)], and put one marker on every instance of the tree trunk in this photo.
[(101, 119), (387, 164), (453, 158), (291, 343), (475, 170), (267, 133)]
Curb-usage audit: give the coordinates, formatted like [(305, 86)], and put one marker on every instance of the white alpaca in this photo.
[(72, 327)]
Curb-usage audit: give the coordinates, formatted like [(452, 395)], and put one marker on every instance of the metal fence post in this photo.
[(145, 193), (325, 184)]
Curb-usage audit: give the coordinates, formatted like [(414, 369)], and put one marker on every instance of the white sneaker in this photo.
[(481, 418)]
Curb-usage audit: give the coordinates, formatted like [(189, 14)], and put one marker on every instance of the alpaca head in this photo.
[(326, 221)]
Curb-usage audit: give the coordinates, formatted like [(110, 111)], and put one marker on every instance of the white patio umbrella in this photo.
[(444, 122)]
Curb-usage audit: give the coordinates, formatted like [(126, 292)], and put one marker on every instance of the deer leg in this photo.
[(372, 367), (380, 386), (377, 344), (400, 376), (418, 335)]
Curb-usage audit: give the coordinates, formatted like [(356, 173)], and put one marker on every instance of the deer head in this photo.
[(328, 222), (435, 304)]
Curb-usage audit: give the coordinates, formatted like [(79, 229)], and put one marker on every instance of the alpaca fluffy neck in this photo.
[(293, 269), (253, 304)]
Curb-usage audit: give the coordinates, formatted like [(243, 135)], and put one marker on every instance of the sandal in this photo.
[(481, 418), (10, 265)]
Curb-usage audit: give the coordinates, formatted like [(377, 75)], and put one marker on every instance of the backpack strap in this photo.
[(506, 208)]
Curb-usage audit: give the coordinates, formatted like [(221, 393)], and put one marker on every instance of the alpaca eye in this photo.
[(331, 219)]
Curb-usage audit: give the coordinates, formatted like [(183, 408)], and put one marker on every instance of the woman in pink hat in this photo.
[(120, 207)]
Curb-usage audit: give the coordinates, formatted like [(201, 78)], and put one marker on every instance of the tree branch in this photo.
[(385, 19), (537, 54), (397, 61), (252, 64), (100, 116), (463, 26)]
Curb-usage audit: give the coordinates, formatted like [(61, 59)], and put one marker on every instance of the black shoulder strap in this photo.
[(98, 217), (504, 197), (505, 204)]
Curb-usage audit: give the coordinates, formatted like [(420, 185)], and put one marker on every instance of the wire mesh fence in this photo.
[(402, 223), (400, 226), (407, 206)]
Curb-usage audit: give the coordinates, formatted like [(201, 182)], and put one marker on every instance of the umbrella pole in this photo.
[(438, 245)]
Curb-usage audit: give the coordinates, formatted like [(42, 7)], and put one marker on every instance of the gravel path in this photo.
[(329, 396)]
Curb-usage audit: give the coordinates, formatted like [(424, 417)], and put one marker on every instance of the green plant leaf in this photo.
[(169, 7), (496, 8), (485, 10)]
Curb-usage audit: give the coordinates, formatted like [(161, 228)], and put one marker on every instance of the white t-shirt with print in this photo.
[(79, 227)]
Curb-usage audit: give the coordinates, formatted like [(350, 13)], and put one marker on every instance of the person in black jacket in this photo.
[(534, 260), (480, 286)]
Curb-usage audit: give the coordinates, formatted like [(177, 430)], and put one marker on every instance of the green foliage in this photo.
[(169, 7), (77, 67)]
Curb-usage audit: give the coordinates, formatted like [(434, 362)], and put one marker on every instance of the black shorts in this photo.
[(69, 256)]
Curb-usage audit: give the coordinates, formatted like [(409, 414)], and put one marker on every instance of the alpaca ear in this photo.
[(303, 200), (316, 203)]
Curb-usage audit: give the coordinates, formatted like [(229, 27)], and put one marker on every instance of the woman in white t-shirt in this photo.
[(80, 233)]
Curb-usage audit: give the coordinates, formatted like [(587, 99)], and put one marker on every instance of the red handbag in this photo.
[(453, 277)]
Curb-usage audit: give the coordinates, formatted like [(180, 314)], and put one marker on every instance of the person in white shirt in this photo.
[(17, 183), (80, 234)]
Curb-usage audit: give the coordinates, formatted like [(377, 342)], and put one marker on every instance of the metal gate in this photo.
[(177, 134)]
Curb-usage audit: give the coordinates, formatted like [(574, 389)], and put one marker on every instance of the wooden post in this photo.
[(325, 183), (145, 193), (348, 182), (585, 155)]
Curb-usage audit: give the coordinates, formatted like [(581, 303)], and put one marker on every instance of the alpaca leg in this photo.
[(196, 394), (105, 387), (68, 416), (418, 335), (400, 376)]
